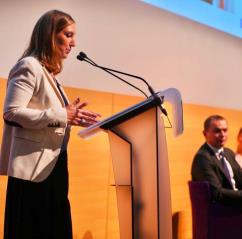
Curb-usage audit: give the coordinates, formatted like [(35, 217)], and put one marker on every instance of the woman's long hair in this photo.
[(43, 40)]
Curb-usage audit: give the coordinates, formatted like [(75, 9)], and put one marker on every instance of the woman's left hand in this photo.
[(76, 115)]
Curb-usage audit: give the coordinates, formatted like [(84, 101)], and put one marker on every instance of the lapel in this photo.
[(215, 159), (64, 93), (228, 157), (54, 86)]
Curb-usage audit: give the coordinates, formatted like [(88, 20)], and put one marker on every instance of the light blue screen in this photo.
[(227, 19)]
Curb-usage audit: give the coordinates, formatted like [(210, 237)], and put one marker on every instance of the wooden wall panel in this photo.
[(93, 200), (89, 172)]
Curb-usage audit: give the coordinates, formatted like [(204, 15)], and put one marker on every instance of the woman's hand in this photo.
[(76, 115)]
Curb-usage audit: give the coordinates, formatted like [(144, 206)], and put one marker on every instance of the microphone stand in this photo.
[(83, 57), (109, 72)]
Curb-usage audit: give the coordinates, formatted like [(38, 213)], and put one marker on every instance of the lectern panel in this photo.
[(149, 174), (121, 158), (141, 132)]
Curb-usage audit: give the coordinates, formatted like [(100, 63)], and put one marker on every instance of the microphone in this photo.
[(83, 57)]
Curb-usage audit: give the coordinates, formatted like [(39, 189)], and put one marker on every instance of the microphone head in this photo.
[(81, 56)]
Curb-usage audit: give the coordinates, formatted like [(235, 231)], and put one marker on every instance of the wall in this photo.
[(165, 49), (93, 199)]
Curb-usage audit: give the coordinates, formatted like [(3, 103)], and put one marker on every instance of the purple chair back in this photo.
[(212, 220)]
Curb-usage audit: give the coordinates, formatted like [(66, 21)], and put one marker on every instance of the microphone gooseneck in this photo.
[(83, 57)]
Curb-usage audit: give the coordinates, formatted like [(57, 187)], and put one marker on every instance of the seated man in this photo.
[(217, 165)]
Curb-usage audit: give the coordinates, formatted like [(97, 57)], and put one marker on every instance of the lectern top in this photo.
[(120, 117)]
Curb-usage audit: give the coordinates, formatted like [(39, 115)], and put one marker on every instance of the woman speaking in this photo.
[(37, 121)]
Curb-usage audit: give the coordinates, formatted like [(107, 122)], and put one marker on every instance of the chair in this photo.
[(212, 220)]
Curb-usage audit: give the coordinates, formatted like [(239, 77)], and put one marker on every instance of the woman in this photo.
[(238, 155), (37, 118)]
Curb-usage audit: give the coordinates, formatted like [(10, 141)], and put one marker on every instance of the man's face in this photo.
[(217, 133)]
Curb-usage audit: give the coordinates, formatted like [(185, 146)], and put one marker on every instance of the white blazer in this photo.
[(34, 103)]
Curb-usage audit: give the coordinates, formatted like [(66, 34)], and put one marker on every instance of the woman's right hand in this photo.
[(76, 115)]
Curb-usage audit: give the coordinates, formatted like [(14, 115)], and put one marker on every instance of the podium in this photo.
[(141, 170)]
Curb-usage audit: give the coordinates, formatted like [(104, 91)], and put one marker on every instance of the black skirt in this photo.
[(39, 210)]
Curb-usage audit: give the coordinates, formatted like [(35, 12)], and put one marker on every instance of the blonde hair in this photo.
[(43, 40)]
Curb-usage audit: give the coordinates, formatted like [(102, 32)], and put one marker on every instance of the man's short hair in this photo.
[(209, 120)]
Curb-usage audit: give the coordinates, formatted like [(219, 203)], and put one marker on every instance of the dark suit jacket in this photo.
[(206, 167)]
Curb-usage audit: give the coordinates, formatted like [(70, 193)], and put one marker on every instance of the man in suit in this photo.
[(216, 164)]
